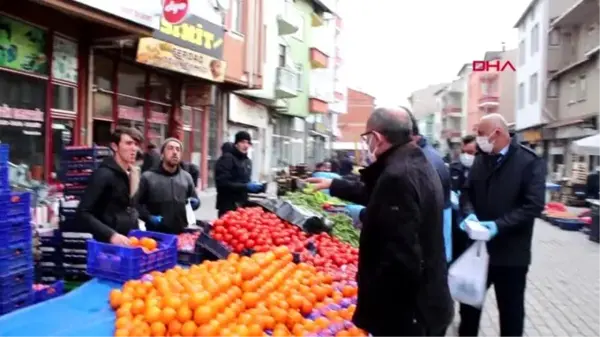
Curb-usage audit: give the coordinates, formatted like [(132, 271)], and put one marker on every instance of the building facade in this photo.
[(83, 67), (572, 93), (450, 100), (353, 123), (425, 106)]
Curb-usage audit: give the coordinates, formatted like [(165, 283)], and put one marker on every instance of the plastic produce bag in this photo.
[(467, 277), (190, 215)]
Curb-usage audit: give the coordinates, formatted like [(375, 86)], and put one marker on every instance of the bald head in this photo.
[(495, 128), (394, 124)]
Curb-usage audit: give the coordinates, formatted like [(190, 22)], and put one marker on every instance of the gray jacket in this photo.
[(162, 193)]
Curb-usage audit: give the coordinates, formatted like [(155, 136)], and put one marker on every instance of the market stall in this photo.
[(282, 267)]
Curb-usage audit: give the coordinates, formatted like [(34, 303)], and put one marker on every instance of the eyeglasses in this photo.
[(365, 136)]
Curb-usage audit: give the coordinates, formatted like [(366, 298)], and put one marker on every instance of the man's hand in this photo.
[(318, 184), (491, 226), (195, 203), (470, 217), (119, 240)]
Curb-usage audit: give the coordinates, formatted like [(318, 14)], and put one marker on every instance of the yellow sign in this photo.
[(165, 55), (195, 33)]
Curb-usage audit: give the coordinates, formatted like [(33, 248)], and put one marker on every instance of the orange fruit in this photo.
[(123, 323), (203, 315), (198, 299), (138, 306), (184, 314), (188, 329), (250, 299), (133, 241), (115, 298), (174, 328), (152, 314), (121, 333), (167, 315), (158, 329)]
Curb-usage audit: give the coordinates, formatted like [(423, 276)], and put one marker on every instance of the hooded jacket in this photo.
[(232, 173), (106, 206)]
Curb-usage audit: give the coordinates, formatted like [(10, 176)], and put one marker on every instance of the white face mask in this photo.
[(484, 144), (370, 149), (467, 159)]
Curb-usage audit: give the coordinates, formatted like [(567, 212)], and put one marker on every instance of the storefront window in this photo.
[(62, 135), (64, 97), (103, 72), (64, 60), (22, 105), (103, 105), (158, 122), (131, 112), (213, 138), (132, 80), (160, 89)]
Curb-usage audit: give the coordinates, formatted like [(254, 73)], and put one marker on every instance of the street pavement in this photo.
[(562, 291), (563, 283)]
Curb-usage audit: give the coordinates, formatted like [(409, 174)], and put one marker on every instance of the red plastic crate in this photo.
[(125, 263)]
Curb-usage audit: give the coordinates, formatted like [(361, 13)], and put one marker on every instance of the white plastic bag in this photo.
[(467, 277), (190, 215)]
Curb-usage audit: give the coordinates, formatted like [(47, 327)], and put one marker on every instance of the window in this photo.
[(22, 123), (573, 91), (236, 16), (554, 38), (103, 106), (582, 92), (521, 97), (103, 72), (535, 39), (533, 88), (300, 70), (553, 89), (64, 60), (64, 98), (62, 135), (160, 89), (592, 37), (282, 52), (132, 80), (522, 53)]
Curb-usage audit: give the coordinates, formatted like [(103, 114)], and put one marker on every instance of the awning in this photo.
[(588, 145)]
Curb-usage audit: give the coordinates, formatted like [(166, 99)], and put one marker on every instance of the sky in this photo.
[(394, 47)]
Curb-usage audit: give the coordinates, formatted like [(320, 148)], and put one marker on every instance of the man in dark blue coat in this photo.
[(505, 193), (434, 157)]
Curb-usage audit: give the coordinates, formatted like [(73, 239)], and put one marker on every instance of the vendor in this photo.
[(164, 192), (323, 170)]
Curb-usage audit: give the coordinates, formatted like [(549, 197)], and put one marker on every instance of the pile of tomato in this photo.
[(254, 229), (238, 296)]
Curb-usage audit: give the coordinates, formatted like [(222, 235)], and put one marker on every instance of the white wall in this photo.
[(531, 114)]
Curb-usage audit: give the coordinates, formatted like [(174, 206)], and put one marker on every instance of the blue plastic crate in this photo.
[(53, 290), (94, 152), (16, 303), (90, 164), (124, 263), (569, 224), (16, 283), (4, 181), (15, 256), (15, 229), (15, 204), (206, 243), (4, 152)]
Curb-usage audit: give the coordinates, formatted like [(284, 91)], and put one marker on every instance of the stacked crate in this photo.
[(16, 251), (77, 165)]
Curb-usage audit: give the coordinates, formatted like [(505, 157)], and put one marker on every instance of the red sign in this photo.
[(494, 65), (175, 11)]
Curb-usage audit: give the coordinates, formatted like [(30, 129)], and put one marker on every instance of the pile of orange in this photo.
[(147, 244), (239, 296)]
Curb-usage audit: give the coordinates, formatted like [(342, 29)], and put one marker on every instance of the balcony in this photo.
[(286, 85), (554, 58), (317, 105), (286, 18), (452, 111), (318, 58), (451, 133), (488, 101)]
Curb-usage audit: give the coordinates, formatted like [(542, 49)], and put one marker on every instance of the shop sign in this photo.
[(194, 33), (21, 118), (319, 127), (246, 112), (158, 118), (22, 47), (175, 11), (146, 13), (532, 136), (168, 56)]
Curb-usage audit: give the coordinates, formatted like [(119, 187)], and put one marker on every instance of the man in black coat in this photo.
[(505, 192), (402, 278), (151, 158), (106, 208), (232, 175)]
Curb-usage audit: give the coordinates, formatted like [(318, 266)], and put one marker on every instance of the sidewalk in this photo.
[(208, 200)]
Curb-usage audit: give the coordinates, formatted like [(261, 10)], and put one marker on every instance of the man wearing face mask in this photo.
[(402, 278), (459, 170), (505, 193)]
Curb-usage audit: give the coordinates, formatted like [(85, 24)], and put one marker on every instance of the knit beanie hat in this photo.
[(168, 140), (241, 136)]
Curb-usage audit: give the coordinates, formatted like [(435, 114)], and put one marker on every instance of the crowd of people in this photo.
[(411, 207)]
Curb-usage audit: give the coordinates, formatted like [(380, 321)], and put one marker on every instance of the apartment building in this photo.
[(426, 110), (537, 62), (353, 123), (572, 93), (492, 91), (449, 101)]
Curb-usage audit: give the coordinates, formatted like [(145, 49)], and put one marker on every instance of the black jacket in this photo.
[(151, 160), (434, 157), (232, 172), (193, 170), (106, 206), (402, 273), (164, 193), (509, 191), (458, 176)]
